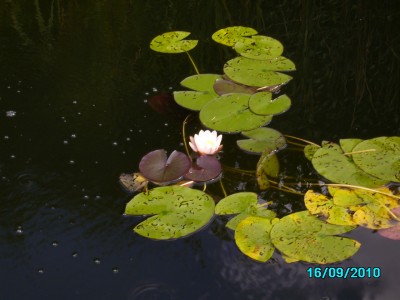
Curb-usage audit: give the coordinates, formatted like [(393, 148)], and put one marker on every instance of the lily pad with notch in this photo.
[(259, 47), (176, 212), (259, 73), (263, 104), (157, 167), (260, 139), (205, 168), (230, 113), (172, 42), (267, 165), (229, 36)]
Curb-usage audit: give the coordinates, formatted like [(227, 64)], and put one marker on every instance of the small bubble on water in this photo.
[(18, 91), (145, 101), (54, 243), (65, 142), (97, 261), (154, 89), (71, 162), (74, 102), (115, 144), (73, 135), (19, 230), (128, 139), (115, 270), (79, 113), (100, 124), (12, 156), (170, 88), (6, 137), (146, 93), (75, 255), (165, 124), (86, 197), (11, 113), (97, 197), (40, 271)]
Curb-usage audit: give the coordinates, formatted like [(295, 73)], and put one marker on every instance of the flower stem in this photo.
[(184, 134), (193, 63)]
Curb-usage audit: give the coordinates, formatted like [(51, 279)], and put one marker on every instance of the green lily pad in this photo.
[(258, 73), (252, 236), (260, 139), (201, 82), (267, 165), (304, 237), (177, 211), (347, 145), (259, 47), (193, 100), (244, 204), (379, 157), (172, 42), (332, 164), (262, 104), (229, 36), (230, 113), (310, 150)]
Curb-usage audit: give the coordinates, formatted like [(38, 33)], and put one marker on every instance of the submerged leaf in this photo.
[(172, 42), (223, 86), (268, 165), (156, 167), (304, 237), (229, 36), (177, 211), (261, 139), (133, 182), (392, 233)]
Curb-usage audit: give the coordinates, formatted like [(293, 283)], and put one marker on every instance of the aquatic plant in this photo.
[(358, 173)]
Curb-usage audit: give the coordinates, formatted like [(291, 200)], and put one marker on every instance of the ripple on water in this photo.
[(154, 291)]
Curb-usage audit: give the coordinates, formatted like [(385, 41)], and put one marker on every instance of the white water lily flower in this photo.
[(206, 142)]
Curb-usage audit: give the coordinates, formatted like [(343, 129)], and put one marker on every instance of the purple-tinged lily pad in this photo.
[(205, 168), (392, 233), (156, 167), (222, 86)]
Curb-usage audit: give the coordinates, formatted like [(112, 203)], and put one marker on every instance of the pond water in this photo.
[(75, 81)]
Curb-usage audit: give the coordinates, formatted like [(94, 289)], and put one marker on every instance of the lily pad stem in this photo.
[(193, 63), (184, 134), (222, 187), (299, 139)]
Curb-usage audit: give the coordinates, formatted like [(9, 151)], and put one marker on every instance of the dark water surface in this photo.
[(75, 77)]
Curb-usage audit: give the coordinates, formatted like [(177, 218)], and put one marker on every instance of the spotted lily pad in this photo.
[(304, 237), (206, 168), (172, 42), (348, 145), (156, 167), (252, 236), (203, 86), (330, 162), (229, 36), (268, 165), (261, 139), (259, 47), (176, 211), (310, 150), (263, 104), (379, 157), (243, 204), (258, 73), (231, 113)]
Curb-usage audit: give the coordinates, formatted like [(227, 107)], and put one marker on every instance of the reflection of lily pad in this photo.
[(206, 168), (262, 104), (172, 42), (258, 73), (155, 166), (304, 237), (379, 157), (231, 35), (252, 236), (230, 113), (259, 47), (392, 233), (268, 165), (177, 211), (260, 139)]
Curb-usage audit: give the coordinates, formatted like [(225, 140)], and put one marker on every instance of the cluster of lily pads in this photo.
[(243, 100)]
